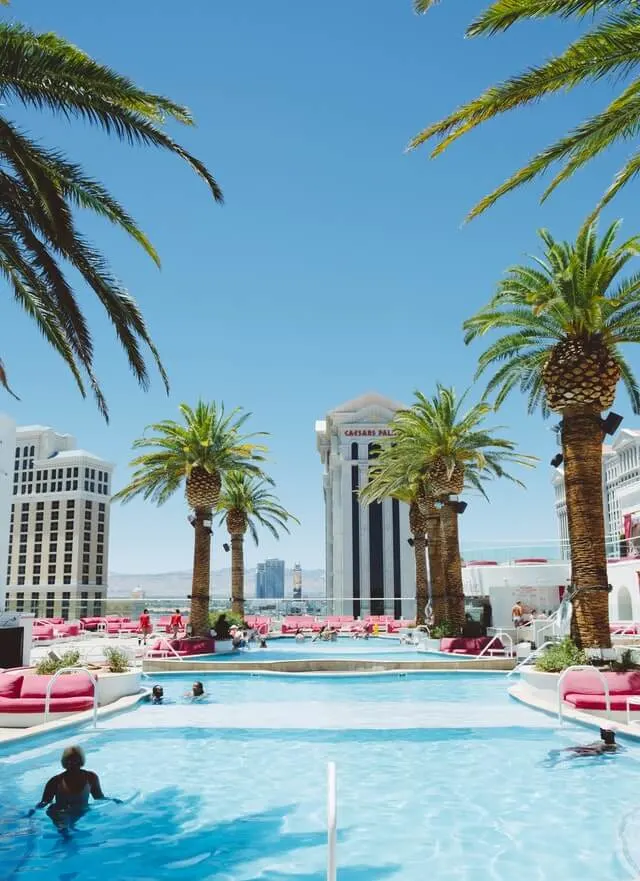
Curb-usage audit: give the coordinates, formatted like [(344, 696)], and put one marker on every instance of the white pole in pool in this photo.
[(331, 822)]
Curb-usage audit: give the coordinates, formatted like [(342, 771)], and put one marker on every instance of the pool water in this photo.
[(344, 648), (439, 776)]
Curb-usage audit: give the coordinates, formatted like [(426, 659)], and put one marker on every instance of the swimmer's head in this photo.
[(157, 691), (608, 736), (198, 689), (72, 758)]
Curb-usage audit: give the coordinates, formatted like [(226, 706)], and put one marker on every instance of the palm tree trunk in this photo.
[(436, 571), (582, 451), (422, 584), (452, 564), (201, 573), (237, 573)]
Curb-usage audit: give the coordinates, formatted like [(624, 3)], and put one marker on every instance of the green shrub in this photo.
[(117, 660), (49, 666), (558, 657), (444, 630), (221, 622), (625, 663)]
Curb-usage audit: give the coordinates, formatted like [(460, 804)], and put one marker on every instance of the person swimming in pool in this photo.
[(607, 744), (197, 690), (157, 694), (66, 796)]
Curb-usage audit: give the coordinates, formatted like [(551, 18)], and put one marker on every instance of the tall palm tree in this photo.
[(452, 449), (41, 190), (387, 479), (197, 452), (246, 503), (607, 47), (565, 318)]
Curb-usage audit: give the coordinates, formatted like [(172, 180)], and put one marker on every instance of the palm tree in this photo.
[(41, 190), (565, 319), (607, 47), (451, 450), (387, 479), (197, 452), (246, 502)]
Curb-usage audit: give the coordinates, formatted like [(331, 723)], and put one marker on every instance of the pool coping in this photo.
[(326, 665), (523, 695), (9, 736)]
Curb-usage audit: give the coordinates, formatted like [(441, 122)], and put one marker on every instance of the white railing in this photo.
[(627, 630), (56, 675), (601, 677), (633, 700), (332, 819), (154, 653), (500, 635), (534, 654)]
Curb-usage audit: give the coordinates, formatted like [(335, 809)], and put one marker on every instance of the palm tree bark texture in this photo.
[(201, 573), (436, 572), (237, 573), (417, 525), (452, 565), (582, 451)]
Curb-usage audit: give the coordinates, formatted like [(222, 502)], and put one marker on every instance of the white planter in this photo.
[(544, 686), (113, 686), (223, 647), (429, 645)]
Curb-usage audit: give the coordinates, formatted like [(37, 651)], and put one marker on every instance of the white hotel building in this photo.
[(370, 567), (621, 490), (58, 526)]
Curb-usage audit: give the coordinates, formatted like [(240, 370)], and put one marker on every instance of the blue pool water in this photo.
[(344, 648), (440, 776)]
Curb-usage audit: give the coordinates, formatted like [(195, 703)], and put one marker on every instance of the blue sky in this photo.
[(338, 265)]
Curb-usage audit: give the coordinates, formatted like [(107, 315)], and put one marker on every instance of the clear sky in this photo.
[(338, 265)]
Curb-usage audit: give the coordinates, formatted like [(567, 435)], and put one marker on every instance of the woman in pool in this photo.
[(197, 691), (70, 791), (157, 694)]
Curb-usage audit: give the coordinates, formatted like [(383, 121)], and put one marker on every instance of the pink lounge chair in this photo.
[(468, 645), (292, 623), (26, 693), (42, 632), (583, 690), (128, 626), (72, 628), (164, 623)]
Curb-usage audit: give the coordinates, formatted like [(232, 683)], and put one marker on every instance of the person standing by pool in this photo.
[(70, 791), (176, 623), (517, 613), (145, 625)]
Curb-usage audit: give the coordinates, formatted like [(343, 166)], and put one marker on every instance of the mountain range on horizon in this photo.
[(178, 584)]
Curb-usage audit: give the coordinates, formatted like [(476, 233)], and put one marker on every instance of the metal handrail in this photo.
[(332, 817), (499, 634), (533, 654), (599, 674), (150, 652), (56, 675), (635, 700)]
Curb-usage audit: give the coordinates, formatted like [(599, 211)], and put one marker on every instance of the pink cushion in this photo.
[(10, 684), (589, 683), (36, 705), (71, 685), (597, 702), (194, 645)]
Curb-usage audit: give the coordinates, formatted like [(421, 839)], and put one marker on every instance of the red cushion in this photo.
[(10, 684), (588, 682), (597, 702), (194, 645), (71, 685), (36, 705)]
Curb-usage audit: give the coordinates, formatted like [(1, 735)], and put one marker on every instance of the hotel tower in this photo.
[(369, 563)]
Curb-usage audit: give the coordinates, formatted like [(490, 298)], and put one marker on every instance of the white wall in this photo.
[(7, 454), (626, 575)]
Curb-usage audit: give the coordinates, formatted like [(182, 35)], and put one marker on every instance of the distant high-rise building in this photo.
[(270, 580), (297, 582), (59, 527)]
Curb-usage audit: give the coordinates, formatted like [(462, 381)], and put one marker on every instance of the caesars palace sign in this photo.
[(368, 432)]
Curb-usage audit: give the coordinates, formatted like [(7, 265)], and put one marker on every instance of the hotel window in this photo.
[(68, 472), (84, 604), (39, 506), (100, 528), (51, 579), (64, 611), (86, 558), (97, 606), (51, 597), (36, 569), (99, 558), (39, 516), (20, 602), (68, 546), (75, 471), (68, 536), (68, 558), (86, 547), (52, 569), (36, 579), (87, 536), (37, 548), (20, 579), (22, 558), (67, 569), (37, 558), (35, 603), (21, 570), (98, 570), (98, 579), (66, 579), (85, 579), (22, 547)]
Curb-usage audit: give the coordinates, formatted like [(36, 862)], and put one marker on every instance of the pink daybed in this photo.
[(583, 689), (22, 697)]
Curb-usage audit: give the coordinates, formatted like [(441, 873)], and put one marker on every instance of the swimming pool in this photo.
[(343, 649), (439, 776)]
